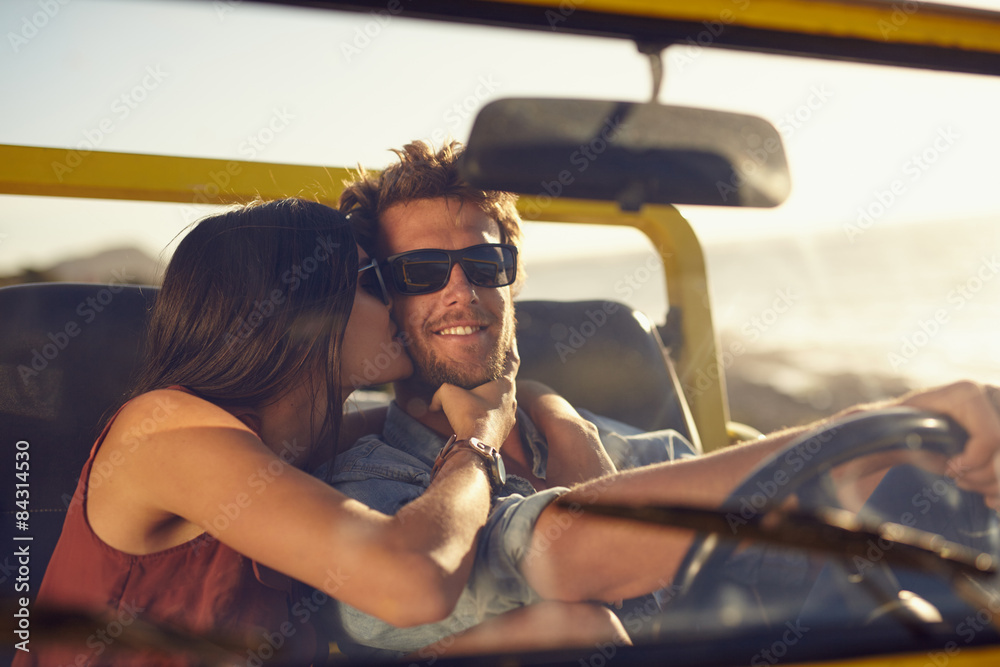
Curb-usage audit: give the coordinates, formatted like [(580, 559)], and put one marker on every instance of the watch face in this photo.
[(494, 456)]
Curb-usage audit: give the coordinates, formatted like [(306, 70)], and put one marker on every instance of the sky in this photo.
[(230, 79)]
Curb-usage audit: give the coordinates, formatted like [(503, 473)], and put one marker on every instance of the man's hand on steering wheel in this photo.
[(976, 407)]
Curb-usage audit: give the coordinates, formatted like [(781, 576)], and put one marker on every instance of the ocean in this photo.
[(896, 305)]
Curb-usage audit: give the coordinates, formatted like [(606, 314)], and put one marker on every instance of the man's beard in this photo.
[(433, 371)]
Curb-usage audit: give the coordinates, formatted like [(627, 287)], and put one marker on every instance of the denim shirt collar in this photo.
[(406, 434)]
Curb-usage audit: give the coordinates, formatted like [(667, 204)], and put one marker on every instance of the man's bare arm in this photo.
[(575, 557), (575, 450)]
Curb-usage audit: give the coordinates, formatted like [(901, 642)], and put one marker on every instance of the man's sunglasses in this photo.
[(428, 270), (371, 281)]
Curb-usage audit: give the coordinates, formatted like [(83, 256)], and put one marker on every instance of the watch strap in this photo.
[(487, 453)]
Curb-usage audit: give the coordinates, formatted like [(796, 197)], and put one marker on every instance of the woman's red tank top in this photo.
[(200, 587)]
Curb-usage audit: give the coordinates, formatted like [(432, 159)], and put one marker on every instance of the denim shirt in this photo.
[(386, 472)]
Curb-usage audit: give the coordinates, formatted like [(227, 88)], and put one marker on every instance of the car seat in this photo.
[(68, 351)]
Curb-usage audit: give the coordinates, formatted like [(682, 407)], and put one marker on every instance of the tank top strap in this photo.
[(85, 473)]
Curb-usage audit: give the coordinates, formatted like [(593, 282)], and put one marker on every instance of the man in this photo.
[(459, 328)]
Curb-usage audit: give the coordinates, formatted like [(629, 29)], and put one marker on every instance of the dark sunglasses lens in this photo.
[(421, 272), (489, 266), (426, 271)]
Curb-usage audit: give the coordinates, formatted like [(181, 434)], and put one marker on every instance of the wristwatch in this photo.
[(494, 462)]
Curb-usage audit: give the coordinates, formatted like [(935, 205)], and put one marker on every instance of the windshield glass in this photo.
[(889, 222), (879, 274)]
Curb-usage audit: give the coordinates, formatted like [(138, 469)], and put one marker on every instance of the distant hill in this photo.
[(119, 265)]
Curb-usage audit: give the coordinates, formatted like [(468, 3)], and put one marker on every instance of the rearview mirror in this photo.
[(632, 153)]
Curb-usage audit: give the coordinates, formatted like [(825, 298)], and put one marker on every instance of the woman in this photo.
[(195, 496)]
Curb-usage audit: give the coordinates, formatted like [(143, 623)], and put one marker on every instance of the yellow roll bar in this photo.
[(698, 365), (902, 22), (58, 172)]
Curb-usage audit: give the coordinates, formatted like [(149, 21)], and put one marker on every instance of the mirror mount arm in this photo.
[(655, 54)]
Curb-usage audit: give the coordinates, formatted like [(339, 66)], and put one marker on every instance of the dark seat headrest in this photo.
[(603, 356), (66, 355)]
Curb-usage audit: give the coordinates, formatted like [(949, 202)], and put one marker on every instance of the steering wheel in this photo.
[(803, 467)]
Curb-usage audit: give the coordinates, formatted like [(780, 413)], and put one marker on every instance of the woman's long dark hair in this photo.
[(254, 301)]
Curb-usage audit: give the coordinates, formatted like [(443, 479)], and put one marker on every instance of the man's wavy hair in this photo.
[(423, 174)]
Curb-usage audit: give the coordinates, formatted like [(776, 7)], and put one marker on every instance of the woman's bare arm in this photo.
[(202, 466)]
